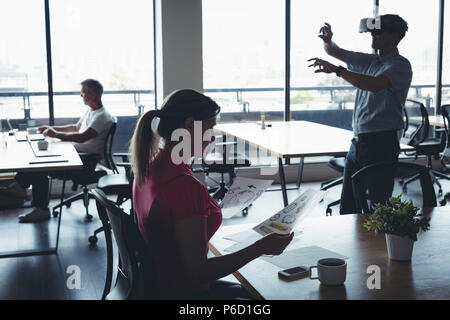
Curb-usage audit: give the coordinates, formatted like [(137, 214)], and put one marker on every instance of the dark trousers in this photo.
[(40, 196), (367, 149), (40, 181)]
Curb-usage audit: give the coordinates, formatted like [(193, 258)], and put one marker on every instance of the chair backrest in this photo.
[(445, 109), (386, 171), (136, 274), (107, 160), (417, 130)]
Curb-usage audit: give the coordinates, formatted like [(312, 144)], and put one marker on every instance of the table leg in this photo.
[(300, 172), (282, 181), (36, 252)]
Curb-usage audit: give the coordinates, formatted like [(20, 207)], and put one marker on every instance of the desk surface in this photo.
[(16, 156), (427, 276), (437, 121), (293, 139)]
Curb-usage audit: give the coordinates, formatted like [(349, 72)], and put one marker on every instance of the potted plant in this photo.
[(400, 222)]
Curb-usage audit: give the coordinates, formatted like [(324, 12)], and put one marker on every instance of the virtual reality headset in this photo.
[(370, 24)]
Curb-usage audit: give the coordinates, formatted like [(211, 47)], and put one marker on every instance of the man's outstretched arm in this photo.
[(329, 46), (358, 80)]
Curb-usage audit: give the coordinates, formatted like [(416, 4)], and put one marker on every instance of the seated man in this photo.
[(88, 135)]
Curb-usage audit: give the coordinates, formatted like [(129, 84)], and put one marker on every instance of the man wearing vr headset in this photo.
[(382, 80)]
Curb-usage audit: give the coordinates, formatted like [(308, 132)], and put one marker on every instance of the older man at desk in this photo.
[(88, 135)]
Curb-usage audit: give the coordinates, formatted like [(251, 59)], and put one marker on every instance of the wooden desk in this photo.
[(427, 276), (293, 139), (15, 157)]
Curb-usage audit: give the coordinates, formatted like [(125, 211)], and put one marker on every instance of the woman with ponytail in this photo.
[(174, 211)]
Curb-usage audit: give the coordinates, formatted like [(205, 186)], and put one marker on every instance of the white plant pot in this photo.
[(399, 248)]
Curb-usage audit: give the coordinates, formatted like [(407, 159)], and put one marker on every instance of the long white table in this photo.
[(292, 139), (16, 157)]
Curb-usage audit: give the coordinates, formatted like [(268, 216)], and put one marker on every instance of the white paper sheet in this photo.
[(242, 193), (286, 220), (306, 256)]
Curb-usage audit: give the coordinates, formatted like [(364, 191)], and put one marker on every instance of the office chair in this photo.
[(338, 164), (445, 109), (417, 136), (116, 183), (136, 272), (362, 182), (90, 173), (222, 163)]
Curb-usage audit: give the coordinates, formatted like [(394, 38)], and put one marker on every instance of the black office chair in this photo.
[(225, 162), (338, 164), (445, 109), (93, 169), (136, 272), (116, 183), (417, 135), (363, 181)]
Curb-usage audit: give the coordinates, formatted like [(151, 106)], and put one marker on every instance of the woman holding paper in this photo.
[(175, 213)]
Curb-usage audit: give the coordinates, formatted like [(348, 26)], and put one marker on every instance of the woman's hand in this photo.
[(274, 243), (325, 33)]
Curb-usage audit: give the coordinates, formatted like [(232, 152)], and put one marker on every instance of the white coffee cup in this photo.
[(330, 271), (32, 130), (42, 144)]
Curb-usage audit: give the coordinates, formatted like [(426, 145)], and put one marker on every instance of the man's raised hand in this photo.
[(325, 33)]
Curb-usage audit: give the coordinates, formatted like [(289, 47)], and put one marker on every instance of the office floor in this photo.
[(47, 277)]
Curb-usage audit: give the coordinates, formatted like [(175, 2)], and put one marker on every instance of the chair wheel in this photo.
[(88, 217), (443, 202), (401, 182), (55, 213), (68, 205), (440, 192), (329, 212), (405, 190), (92, 241), (245, 212)]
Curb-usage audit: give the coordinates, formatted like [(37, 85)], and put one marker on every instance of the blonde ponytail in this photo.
[(144, 145)]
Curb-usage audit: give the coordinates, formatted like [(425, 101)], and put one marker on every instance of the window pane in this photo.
[(420, 43), (243, 48), (446, 58), (111, 41), (23, 62), (313, 93)]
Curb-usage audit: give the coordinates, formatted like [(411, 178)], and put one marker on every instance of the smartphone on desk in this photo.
[(293, 273)]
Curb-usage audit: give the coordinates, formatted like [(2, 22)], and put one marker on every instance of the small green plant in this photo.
[(398, 217)]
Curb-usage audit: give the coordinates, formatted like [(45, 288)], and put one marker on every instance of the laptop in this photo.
[(24, 136), (41, 153)]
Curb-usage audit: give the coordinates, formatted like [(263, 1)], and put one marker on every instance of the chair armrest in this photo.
[(123, 164), (123, 155)]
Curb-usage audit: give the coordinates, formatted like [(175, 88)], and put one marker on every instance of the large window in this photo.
[(243, 50), (446, 58), (111, 41), (23, 64), (420, 43), (310, 91)]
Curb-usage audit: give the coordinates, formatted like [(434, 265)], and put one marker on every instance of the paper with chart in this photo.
[(242, 193), (284, 221)]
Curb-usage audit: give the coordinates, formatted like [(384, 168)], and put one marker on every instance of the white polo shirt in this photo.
[(99, 120)]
